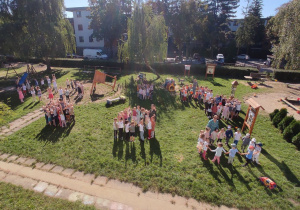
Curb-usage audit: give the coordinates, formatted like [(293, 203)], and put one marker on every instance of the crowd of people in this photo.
[(34, 88), (58, 111), (135, 120), (145, 89), (212, 134), (226, 108)]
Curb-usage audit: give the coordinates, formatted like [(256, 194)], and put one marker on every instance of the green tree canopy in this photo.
[(35, 28), (284, 33)]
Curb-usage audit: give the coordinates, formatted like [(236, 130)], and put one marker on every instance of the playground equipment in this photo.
[(210, 69), (11, 67), (100, 77), (187, 69), (170, 84), (290, 102), (120, 99), (30, 69), (268, 182)]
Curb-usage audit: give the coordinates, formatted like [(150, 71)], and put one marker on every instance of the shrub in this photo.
[(292, 130), (296, 140), (286, 75), (279, 117), (285, 122), (272, 115)]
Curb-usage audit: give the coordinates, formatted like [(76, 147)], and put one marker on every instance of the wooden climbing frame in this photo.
[(100, 77)]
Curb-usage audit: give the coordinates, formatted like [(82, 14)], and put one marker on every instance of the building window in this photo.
[(91, 39), (80, 27), (81, 39), (78, 14)]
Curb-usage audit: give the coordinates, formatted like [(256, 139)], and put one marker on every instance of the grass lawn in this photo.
[(170, 162), (12, 197)]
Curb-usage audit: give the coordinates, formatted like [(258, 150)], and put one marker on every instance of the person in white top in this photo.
[(63, 120), (205, 146), (141, 129), (237, 136), (32, 91), (127, 125), (121, 127), (257, 151), (54, 86), (238, 109), (115, 127), (61, 92), (218, 152)]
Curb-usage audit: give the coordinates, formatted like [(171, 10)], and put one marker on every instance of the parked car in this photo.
[(94, 54), (220, 56), (243, 57)]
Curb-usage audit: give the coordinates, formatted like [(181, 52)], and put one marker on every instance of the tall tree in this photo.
[(109, 19), (252, 30), (147, 36), (35, 28), (284, 32)]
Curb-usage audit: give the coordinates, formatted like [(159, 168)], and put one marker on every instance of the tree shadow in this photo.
[(283, 167), (52, 133), (155, 150)]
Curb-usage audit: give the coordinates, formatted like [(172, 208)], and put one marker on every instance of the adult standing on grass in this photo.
[(213, 123)]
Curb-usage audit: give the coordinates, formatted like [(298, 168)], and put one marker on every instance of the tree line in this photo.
[(143, 31)]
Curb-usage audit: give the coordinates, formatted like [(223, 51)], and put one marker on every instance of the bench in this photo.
[(257, 76)]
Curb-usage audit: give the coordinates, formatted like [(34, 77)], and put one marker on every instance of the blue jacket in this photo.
[(229, 134)]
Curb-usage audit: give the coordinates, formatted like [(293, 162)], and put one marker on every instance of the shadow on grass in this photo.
[(214, 83), (283, 167), (164, 101), (155, 149), (52, 134)]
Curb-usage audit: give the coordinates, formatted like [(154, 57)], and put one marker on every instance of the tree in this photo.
[(252, 30), (108, 20), (35, 28), (283, 31), (147, 36)]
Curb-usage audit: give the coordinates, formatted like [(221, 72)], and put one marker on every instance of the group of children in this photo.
[(35, 88), (207, 138), (135, 120), (226, 108), (144, 88), (59, 113)]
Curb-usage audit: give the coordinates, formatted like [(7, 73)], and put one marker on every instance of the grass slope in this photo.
[(13, 197), (169, 163)]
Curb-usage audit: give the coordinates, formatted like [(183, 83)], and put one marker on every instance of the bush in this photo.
[(292, 130), (285, 122), (296, 140), (287, 75), (279, 117), (272, 115)]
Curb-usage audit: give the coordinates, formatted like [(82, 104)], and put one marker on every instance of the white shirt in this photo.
[(200, 140), (238, 107), (49, 81), (214, 135), (54, 83), (127, 127), (141, 127), (219, 151), (24, 87), (32, 92), (257, 149), (237, 136), (42, 82), (115, 125), (60, 91), (205, 146), (120, 124), (62, 117), (149, 125)]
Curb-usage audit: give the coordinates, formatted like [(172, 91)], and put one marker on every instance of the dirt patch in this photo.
[(271, 100), (179, 157)]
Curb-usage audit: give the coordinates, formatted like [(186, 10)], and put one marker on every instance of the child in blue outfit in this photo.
[(229, 134), (249, 155), (232, 153)]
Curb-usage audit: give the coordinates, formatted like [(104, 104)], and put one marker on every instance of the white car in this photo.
[(220, 56), (243, 57)]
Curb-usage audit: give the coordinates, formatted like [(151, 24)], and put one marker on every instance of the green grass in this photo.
[(170, 162), (13, 197)]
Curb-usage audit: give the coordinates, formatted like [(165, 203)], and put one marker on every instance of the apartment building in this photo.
[(83, 34)]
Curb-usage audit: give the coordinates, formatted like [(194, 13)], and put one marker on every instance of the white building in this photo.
[(234, 24), (83, 34)]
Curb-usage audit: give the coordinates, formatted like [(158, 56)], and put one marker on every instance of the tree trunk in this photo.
[(48, 65), (151, 69)]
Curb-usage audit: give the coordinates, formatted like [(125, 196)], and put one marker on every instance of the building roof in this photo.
[(72, 9)]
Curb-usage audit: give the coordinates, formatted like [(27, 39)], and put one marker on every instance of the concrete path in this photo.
[(20, 123), (66, 183)]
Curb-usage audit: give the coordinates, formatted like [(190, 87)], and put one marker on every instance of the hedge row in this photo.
[(287, 75), (161, 68), (288, 126)]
